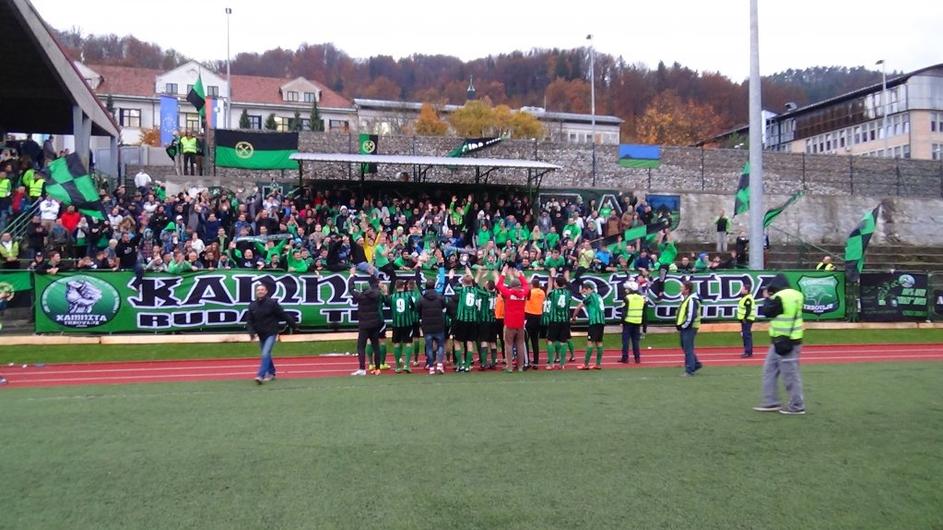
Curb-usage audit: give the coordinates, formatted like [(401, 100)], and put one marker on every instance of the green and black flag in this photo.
[(741, 202), (70, 183), (858, 243), (773, 213), (197, 97), (472, 145), (256, 150), (649, 231), (369, 144)]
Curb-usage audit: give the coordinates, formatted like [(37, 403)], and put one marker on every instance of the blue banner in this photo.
[(639, 156), (169, 109)]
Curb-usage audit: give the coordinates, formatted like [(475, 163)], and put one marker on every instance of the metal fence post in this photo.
[(851, 173), (802, 176), (702, 168), (897, 168)]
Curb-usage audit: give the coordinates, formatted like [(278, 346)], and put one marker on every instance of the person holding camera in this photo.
[(783, 305)]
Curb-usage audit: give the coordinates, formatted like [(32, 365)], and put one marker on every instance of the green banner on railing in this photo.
[(112, 302)]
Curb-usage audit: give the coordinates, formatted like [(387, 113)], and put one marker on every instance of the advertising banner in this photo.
[(112, 302), (897, 296)]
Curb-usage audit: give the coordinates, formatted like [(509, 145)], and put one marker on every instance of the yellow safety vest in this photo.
[(634, 306), (683, 311), (5, 188), (36, 187), (823, 266), (789, 322), (188, 144), (742, 308)]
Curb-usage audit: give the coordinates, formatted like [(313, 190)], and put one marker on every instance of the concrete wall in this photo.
[(821, 219)]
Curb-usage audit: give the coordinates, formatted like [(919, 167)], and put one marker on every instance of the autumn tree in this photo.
[(150, 137), (474, 119), (525, 125), (429, 123), (568, 96), (317, 124), (673, 121)]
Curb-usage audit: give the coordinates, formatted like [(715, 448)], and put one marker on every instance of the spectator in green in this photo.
[(552, 239), (484, 234), (702, 263), (572, 230), (500, 234)]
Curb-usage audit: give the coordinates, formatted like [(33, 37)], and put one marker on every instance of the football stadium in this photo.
[(234, 299)]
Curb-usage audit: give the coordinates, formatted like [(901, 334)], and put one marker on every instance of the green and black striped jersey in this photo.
[(593, 304), (559, 300), (403, 309), (486, 301), (545, 315), (416, 295), (466, 308)]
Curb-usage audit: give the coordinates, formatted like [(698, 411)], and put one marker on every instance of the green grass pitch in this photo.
[(610, 449)]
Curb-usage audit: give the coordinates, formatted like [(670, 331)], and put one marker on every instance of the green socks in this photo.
[(398, 355), (599, 355), (589, 355)]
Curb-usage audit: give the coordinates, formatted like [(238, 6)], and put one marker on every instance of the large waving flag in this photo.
[(858, 243), (649, 231), (70, 183), (773, 213), (741, 202), (196, 96), (256, 150)]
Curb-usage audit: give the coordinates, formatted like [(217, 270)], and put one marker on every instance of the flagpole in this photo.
[(228, 103), (592, 98), (757, 237)]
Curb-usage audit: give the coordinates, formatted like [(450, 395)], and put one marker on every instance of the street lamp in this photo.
[(228, 112), (884, 104), (592, 99)]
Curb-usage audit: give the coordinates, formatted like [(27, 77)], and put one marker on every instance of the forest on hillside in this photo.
[(667, 104)]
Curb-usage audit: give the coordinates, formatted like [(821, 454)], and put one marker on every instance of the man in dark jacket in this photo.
[(262, 319), (369, 322), (432, 321)]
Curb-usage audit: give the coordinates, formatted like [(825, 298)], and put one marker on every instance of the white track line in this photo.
[(291, 374)]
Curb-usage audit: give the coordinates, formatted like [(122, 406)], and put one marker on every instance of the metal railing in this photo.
[(17, 227)]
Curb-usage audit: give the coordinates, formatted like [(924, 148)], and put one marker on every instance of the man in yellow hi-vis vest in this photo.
[(784, 307), (632, 322), (746, 315), (688, 322), (188, 145)]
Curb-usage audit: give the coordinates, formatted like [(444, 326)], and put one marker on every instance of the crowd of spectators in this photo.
[(145, 229)]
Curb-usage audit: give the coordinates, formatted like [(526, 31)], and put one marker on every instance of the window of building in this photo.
[(936, 151), (130, 117), (190, 121), (309, 97), (292, 95), (906, 150), (170, 88), (936, 122), (572, 138), (189, 88), (212, 90), (255, 121), (342, 125), (857, 135)]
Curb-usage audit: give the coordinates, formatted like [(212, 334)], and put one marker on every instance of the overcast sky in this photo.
[(704, 35)]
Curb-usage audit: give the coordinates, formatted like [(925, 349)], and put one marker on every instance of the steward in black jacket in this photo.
[(369, 321), (432, 312)]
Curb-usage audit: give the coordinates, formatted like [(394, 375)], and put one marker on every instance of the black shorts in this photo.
[(558, 331), (416, 331), (595, 332), (401, 335), (487, 331), (464, 331), (382, 333)]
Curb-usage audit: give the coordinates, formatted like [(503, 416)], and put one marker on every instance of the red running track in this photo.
[(342, 365)]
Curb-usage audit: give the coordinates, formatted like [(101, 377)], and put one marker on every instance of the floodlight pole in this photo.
[(757, 236), (592, 99), (228, 113), (887, 154)]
